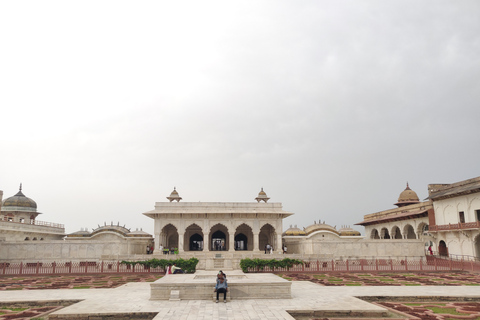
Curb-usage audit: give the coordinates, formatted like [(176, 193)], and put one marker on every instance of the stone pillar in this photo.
[(180, 242), (206, 242), (231, 241), (256, 242), (279, 248)]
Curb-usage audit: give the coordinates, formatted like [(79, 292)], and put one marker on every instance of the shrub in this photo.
[(188, 266)]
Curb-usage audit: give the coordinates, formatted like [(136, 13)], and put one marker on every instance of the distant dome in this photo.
[(294, 231), (347, 231), (19, 203), (320, 227), (408, 196)]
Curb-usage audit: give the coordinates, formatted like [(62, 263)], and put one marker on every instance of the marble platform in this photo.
[(200, 286)]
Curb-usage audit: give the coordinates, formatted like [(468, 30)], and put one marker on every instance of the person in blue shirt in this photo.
[(221, 287)]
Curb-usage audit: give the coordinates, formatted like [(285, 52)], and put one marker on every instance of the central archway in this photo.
[(219, 241), (219, 238)]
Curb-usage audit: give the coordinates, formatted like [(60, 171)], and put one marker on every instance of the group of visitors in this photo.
[(218, 245), (268, 249), (149, 249), (172, 250)]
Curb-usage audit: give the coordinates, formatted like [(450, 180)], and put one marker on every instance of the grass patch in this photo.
[(364, 275), (472, 284), (318, 276), (412, 284), (440, 310), (385, 279), (353, 284), (14, 288), (334, 279), (82, 287)]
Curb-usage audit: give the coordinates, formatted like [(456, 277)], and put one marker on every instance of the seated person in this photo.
[(176, 269), (221, 287)]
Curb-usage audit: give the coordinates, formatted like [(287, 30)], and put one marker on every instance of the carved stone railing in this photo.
[(455, 226), (39, 223)]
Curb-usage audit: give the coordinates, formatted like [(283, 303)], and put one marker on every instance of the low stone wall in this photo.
[(390, 248), (60, 250)]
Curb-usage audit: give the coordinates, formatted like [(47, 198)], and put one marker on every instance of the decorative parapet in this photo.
[(35, 226), (454, 226)]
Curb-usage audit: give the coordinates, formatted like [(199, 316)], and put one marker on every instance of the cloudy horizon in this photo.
[(330, 106)]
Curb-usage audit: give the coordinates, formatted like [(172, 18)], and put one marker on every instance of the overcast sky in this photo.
[(330, 106)]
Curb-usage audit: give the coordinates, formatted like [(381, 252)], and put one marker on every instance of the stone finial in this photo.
[(262, 196), (174, 196)]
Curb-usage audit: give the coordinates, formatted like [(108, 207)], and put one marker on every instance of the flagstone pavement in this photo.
[(134, 297)]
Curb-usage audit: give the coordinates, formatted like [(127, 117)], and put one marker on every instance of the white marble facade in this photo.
[(218, 226)]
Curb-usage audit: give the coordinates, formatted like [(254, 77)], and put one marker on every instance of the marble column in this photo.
[(255, 242), (206, 242), (180, 242), (231, 241), (279, 248)]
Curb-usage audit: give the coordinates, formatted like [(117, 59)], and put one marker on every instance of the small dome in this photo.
[(347, 231), (294, 231), (19, 203), (408, 196), (262, 196), (320, 227), (174, 196)]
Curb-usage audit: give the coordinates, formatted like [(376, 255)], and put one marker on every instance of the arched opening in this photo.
[(244, 238), (241, 242), (422, 229), (219, 238), (27, 238), (409, 232), (384, 233), (477, 247), (374, 234), (219, 242), (266, 236), (169, 237), (193, 238), (442, 248), (196, 242), (396, 234)]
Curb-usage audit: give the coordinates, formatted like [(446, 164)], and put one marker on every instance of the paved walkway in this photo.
[(134, 297)]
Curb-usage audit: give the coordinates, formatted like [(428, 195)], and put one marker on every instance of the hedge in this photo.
[(260, 264), (188, 266)]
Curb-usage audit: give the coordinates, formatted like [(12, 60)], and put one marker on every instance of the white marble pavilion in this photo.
[(218, 226)]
